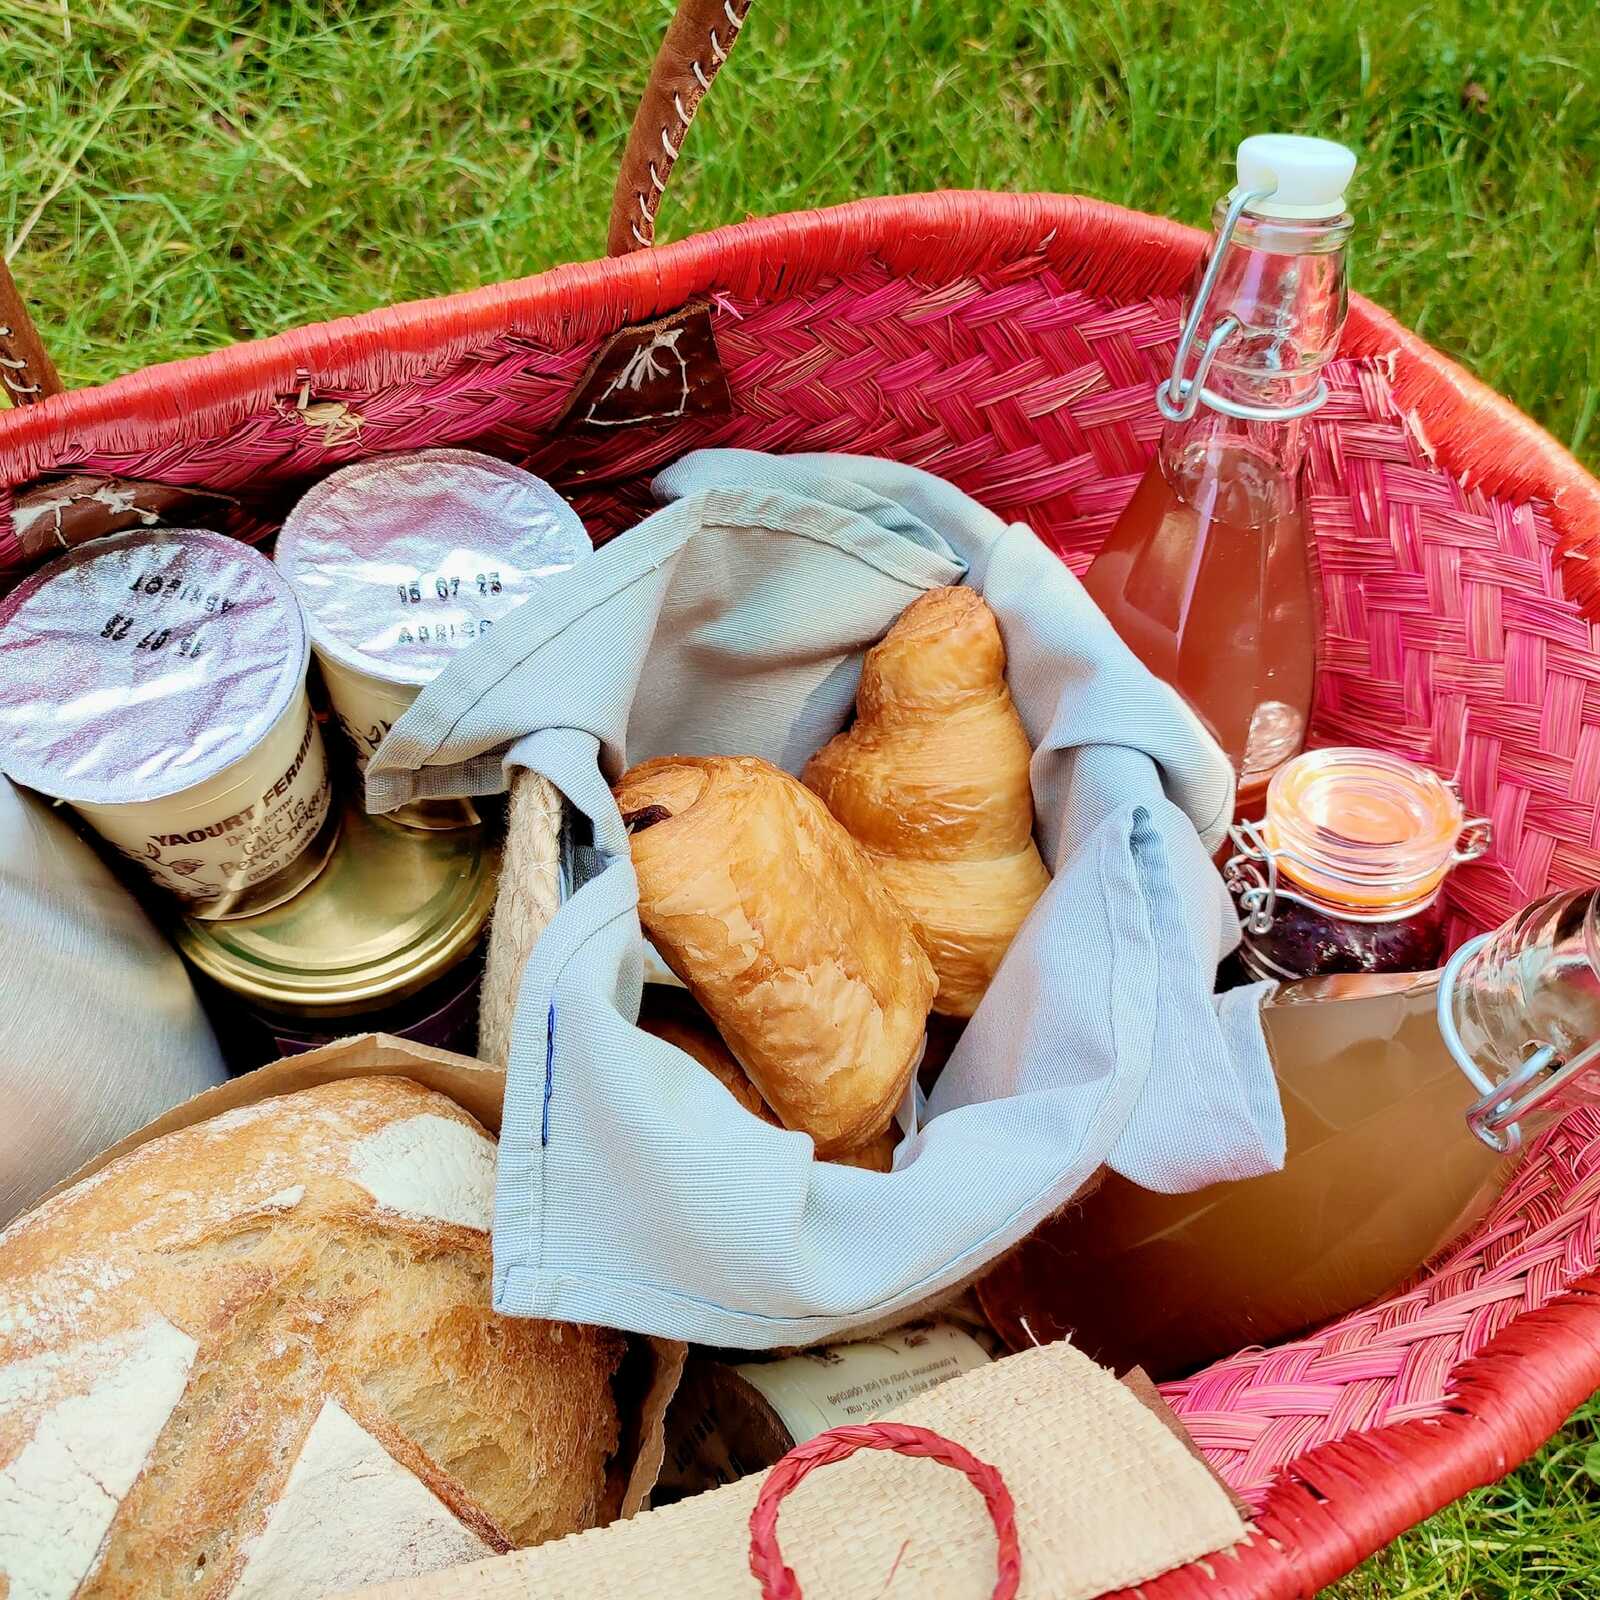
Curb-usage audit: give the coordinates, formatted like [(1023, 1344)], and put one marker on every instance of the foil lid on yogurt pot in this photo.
[(402, 561), (142, 664)]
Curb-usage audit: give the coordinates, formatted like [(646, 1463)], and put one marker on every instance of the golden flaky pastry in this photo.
[(932, 782), (769, 913), (687, 1027)]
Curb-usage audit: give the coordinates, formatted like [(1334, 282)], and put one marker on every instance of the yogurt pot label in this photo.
[(155, 681), (402, 562), (206, 857), (366, 707)]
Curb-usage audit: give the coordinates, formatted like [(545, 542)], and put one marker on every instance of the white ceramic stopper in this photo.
[(1307, 177)]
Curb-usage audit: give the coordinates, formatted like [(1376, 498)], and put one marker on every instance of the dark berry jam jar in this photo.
[(1344, 871)]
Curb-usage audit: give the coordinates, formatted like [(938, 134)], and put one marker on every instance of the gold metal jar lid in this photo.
[(394, 909)]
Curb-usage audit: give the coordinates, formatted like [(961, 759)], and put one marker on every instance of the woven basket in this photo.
[(1011, 343)]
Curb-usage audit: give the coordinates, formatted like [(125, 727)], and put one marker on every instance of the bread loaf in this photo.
[(765, 907), (255, 1359)]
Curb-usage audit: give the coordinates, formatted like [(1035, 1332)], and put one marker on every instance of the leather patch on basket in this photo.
[(652, 373), (1137, 1381), (58, 513)]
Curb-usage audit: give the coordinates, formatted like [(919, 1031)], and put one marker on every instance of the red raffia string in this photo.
[(778, 1581)]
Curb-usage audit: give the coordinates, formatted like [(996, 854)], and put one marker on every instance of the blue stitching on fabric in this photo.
[(549, 1074)]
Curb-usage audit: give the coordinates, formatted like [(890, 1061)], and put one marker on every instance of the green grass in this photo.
[(176, 174)]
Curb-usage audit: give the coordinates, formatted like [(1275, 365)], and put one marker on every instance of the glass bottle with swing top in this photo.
[(1206, 574), (1390, 1156)]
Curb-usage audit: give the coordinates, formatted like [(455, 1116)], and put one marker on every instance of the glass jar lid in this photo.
[(1363, 830), (394, 909)]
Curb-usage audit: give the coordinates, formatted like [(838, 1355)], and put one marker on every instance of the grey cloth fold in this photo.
[(633, 1189)]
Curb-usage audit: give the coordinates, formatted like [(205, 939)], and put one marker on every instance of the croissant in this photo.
[(695, 1036), (779, 927), (932, 782)]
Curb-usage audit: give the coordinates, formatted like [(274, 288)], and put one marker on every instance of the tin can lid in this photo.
[(394, 909), (402, 561), (141, 664)]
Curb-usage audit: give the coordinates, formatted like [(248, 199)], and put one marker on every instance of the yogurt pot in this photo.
[(402, 561), (155, 682)]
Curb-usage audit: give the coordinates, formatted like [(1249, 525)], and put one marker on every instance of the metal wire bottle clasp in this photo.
[(1496, 1115), (1180, 397), (1253, 878)]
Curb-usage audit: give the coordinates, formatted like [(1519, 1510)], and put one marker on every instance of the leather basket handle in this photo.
[(701, 37), (27, 374)]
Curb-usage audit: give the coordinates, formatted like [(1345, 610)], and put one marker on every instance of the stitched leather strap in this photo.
[(700, 39), (27, 375)]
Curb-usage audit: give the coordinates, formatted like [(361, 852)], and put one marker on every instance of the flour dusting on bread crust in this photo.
[(59, 1496), (429, 1167), (327, 1244), (351, 1515)]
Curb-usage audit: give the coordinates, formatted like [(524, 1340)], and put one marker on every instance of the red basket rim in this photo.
[(1098, 247), (1341, 1502), (1343, 1499)]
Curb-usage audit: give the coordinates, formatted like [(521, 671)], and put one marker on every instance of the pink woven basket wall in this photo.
[(1012, 344)]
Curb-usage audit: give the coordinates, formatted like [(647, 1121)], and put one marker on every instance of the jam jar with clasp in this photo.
[(1344, 872)]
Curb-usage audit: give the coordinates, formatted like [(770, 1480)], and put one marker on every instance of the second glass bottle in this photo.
[(1206, 574)]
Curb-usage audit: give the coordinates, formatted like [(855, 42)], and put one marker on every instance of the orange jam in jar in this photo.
[(1344, 871)]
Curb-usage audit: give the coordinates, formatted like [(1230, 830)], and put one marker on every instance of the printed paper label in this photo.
[(840, 1384), (237, 829)]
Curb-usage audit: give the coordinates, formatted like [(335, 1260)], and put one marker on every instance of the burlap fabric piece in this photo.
[(1105, 1496)]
